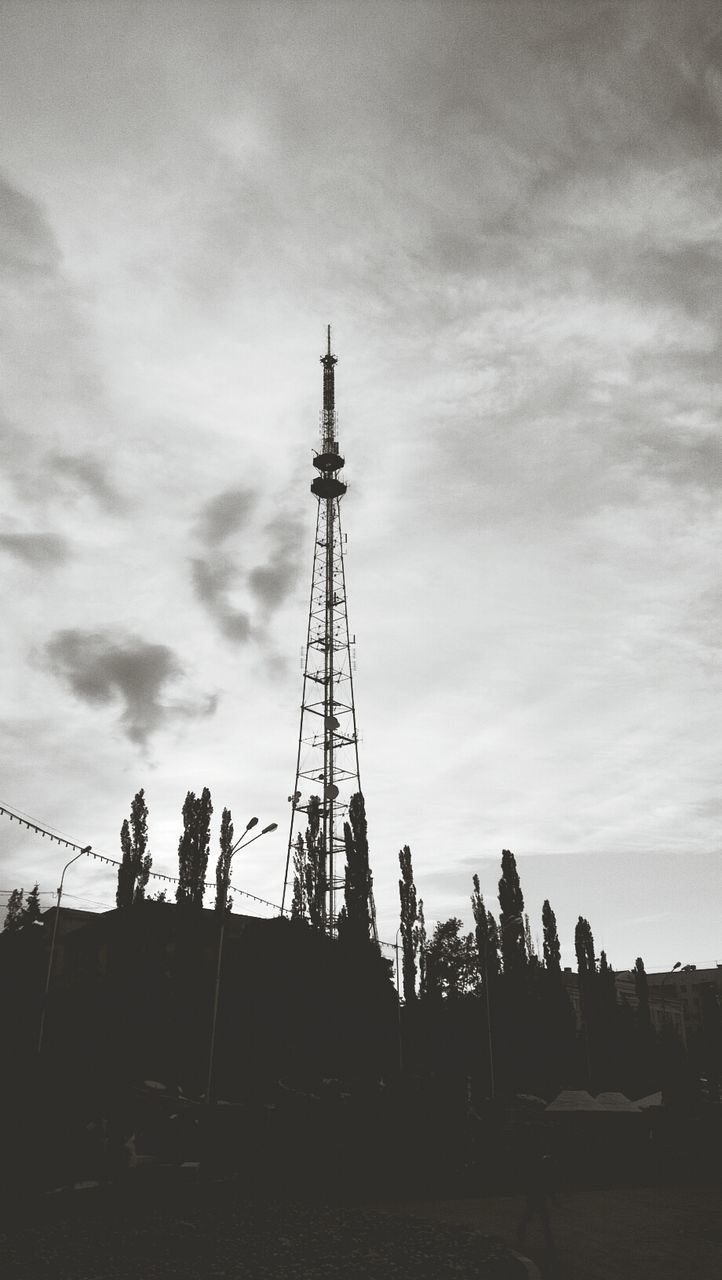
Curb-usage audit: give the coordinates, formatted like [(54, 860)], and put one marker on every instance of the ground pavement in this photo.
[(632, 1233)]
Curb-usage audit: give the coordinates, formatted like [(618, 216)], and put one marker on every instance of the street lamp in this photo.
[(666, 977), (240, 844), (51, 957)]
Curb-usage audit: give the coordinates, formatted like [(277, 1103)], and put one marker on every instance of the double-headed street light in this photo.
[(240, 844)]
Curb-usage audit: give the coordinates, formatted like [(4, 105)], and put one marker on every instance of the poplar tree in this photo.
[(494, 962), (223, 865), (194, 848), (315, 868), (126, 877), (408, 923), (358, 873), (481, 928), (511, 903), (134, 869), (552, 949), (584, 947), (142, 860)]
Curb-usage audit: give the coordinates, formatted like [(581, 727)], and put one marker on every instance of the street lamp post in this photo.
[(216, 994), (51, 956), (666, 977)]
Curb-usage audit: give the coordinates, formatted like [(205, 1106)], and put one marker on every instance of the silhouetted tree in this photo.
[(32, 906), (511, 903), (358, 873), (223, 865), (451, 961), (481, 926), (409, 923), (134, 869), (494, 948), (299, 901), (194, 848), (584, 947), (126, 878), (552, 949), (315, 865), (142, 860), (15, 911)]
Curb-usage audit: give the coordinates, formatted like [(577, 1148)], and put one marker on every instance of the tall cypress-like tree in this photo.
[(194, 848), (511, 903), (223, 865), (315, 868), (142, 860), (358, 872), (552, 949), (584, 947), (134, 869), (481, 928), (126, 876), (408, 923), (494, 963)]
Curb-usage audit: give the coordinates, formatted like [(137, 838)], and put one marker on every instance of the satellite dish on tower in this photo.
[(330, 791)]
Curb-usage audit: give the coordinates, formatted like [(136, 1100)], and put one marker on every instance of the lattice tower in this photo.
[(327, 763)]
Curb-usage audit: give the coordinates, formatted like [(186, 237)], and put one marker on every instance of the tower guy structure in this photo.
[(327, 763)]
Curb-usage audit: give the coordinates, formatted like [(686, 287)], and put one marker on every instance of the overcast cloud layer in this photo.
[(510, 214)]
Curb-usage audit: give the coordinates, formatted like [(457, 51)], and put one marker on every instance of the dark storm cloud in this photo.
[(86, 474), (213, 579), (272, 582), (224, 515), (27, 243), (42, 550), (103, 667)]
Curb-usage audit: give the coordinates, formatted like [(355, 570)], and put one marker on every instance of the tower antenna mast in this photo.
[(327, 763)]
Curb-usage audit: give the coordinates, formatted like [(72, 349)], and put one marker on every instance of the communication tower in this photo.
[(327, 763)]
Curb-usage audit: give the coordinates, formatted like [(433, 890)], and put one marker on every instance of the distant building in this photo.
[(676, 999)]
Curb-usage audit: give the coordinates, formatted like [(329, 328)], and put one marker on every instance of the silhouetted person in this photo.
[(539, 1193)]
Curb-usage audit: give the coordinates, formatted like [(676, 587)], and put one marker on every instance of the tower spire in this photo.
[(327, 765)]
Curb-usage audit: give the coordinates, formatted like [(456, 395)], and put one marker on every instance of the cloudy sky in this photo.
[(510, 214)]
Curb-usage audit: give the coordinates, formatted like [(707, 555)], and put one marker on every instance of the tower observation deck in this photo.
[(327, 790)]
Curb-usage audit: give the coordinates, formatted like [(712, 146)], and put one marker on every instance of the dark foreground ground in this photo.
[(626, 1233), (191, 1231), (203, 1232)]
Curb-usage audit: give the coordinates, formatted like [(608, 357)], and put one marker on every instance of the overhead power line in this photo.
[(39, 829)]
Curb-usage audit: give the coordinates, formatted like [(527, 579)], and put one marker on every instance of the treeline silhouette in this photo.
[(331, 1079), (485, 1004)]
